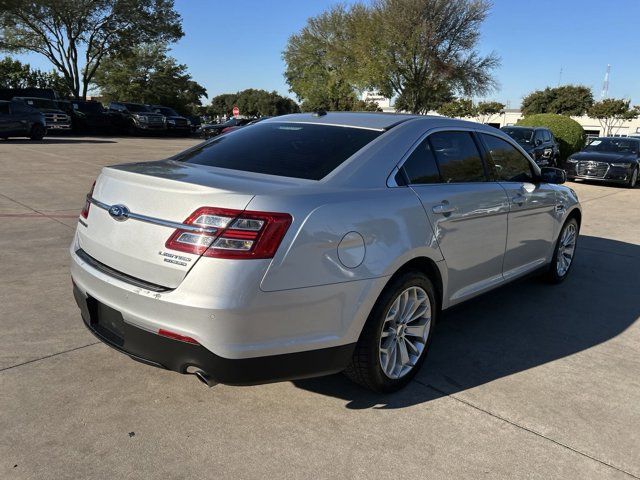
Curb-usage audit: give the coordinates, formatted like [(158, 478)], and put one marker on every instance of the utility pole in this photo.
[(605, 85)]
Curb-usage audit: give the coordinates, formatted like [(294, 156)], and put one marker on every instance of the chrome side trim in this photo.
[(154, 220)]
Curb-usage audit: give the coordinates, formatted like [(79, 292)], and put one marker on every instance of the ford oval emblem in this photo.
[(119, 212)]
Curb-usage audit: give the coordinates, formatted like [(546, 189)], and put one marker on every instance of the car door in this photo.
[(532, 209), (9, 122), (468, 214)]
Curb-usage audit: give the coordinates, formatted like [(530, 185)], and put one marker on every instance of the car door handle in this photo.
[(518, 199), (443, 208)]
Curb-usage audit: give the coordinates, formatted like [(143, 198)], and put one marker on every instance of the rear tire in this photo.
[(37, 132), (564, 253), (392, 346)]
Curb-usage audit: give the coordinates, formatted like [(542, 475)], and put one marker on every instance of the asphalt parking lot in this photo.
[(531, 381)]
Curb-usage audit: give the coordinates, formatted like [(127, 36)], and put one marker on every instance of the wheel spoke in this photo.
[(404, 354), (416, 330)]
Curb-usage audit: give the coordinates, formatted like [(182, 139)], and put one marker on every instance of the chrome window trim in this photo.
[(391, 182), (155, 220)]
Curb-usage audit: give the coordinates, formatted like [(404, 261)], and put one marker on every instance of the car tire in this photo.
[(132, 130), (37, 132), (633, 181), (407, 339), (565, 249)]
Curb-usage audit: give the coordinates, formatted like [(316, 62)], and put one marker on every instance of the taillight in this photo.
[(176, 336), (231, 233), (87, 203)]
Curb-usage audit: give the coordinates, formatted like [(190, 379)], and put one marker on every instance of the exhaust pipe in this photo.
[(205, 378)]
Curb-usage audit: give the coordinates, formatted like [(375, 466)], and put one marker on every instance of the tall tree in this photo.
[(572, 100), (148, 75), (76, 35), (612, 113), (422, 50), (320, 61), (15, 74)]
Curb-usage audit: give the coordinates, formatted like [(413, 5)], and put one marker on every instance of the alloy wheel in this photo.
[(405, 331), (566, 249)]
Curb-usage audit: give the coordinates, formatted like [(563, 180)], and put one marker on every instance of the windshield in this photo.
[(134, 107), (613, 145), (166, 111), (41, 103), (296, 150), (519, 134), (89, 107)]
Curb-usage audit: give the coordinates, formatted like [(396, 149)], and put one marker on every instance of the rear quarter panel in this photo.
[(391, 222)]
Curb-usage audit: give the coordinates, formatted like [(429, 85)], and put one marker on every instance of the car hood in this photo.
[(51, 110), (175, 117), (607, 157)]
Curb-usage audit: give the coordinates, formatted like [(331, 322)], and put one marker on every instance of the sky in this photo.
[(230, 46)]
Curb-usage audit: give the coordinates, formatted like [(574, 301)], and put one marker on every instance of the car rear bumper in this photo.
[(272, 335), (156, 350)]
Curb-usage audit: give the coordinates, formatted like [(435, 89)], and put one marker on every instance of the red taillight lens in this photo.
[(87, 203), (231, 233), (176, 336)]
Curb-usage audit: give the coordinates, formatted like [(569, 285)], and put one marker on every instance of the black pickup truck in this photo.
[(17, 119)]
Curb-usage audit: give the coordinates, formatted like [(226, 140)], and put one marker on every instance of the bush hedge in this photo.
[(568, 132)]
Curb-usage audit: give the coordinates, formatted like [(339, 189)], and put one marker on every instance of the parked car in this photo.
[(214, 129), (609, 159), (87, 116), (135, 118), (17, 119), (176, 123), (196, 122), (314, 243), (55, 118), (236, 127), (538, 142)]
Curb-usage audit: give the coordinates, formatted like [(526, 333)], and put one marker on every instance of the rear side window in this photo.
[(458, 157), (509, 164), (421, 166), (299, 150)]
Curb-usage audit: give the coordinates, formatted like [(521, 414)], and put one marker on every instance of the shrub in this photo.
[(568, 132)]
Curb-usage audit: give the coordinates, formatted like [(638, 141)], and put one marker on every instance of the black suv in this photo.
[(87, 115), (176, 123), (135, 118), (538, 142), (17, 119)]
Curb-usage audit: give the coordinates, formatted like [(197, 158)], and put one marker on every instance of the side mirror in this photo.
[(538, 142), (553, 175)]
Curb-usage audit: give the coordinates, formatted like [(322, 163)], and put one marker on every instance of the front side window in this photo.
[(509, 164), (546, 135), (299, 150), (458, 157), (421, 167)]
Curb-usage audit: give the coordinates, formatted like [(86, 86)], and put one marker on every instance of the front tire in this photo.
[(634, 179), (37, 132), (396, 337), (564, 253)]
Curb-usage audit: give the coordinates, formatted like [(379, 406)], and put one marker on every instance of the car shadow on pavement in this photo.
[(518, 327)]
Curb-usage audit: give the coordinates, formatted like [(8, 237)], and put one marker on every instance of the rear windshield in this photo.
[(299, 150)]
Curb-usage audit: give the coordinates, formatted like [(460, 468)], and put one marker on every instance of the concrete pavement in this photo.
[(531, 381)]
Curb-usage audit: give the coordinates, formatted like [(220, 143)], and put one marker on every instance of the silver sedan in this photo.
[(314, 243)]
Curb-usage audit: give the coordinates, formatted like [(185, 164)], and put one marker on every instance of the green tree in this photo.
[(612, 112), (485, 111), (252, 103), (459, 108), (572, 100), (77, 35), (320, 62), (424, 51), (148, 75), (15, 74)]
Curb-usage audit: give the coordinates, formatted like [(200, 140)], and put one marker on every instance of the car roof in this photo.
[(368, 120), (523, 127), (617, 138)]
